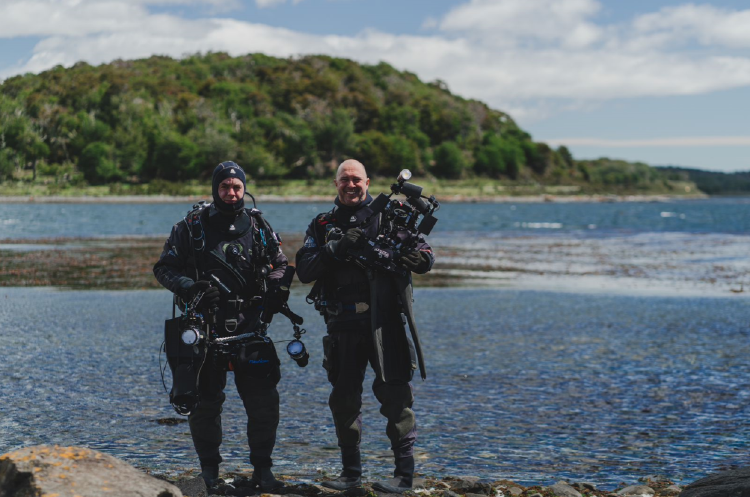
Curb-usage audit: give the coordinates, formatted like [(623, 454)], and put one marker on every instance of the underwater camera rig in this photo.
[(191, 338), (414, 215)]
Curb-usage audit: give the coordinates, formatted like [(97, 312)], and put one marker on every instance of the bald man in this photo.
[(346, 294)]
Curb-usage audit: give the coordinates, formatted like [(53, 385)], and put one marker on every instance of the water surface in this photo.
[(531, 386), (22, 221)]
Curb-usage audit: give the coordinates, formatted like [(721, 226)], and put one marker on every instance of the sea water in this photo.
[(526, 385), (723, 215)]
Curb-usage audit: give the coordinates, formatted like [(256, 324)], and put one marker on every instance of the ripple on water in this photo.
[(533, 386)]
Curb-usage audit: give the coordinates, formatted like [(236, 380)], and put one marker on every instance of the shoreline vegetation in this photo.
[(158, 125), (320, 190)]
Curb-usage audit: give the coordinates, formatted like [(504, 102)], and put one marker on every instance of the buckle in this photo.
[(334, 309), (236, 303), (231, 322)]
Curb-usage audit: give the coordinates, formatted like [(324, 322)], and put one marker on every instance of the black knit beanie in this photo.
[(227, 169)]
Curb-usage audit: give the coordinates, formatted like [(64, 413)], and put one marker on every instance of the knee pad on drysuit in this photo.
[(185, 361)]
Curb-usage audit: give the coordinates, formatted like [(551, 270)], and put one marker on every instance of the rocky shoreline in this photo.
[(240, 484), (55, 471)]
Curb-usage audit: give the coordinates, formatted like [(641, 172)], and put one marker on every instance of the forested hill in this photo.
[(711, 182), (162, 118)]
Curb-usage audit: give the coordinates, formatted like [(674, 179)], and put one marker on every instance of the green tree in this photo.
[(261, 163), (334, 135), (385, 155), (566, 156), (97, 163), (174, 157), (449, 161), (7, 164), (490, 157)]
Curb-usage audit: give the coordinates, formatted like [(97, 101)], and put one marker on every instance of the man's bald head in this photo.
[(351, 182), (351, 165)]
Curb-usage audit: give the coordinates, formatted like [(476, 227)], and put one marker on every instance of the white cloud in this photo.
[(704, 24), (688, 141), (528, 57), (271, 3), (77, 18), (519, 22)]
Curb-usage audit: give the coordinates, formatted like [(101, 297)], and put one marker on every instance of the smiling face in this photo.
[(352, 183), (231, 190)]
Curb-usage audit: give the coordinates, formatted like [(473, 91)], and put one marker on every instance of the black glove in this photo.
[(276, 298), (354, 238), (210, 296), (414, 261)]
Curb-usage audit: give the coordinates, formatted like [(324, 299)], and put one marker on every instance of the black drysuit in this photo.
[(365, 312), (230, 252)]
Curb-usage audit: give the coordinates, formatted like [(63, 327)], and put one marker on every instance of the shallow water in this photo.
[(532, 386)]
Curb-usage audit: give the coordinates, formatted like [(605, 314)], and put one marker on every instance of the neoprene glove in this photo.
[(415, 261), (276, 299), (354, 238), (210, 296)]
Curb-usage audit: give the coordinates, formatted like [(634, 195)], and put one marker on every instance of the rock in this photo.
[(192, 487), (68, 471), (515, 491), (476, 495), (671, 490), (582, 485), (355, 492), (471, 486), (563, 489), (419, 483), (637, 491), (733, 483), (536, 495), (450, 493)]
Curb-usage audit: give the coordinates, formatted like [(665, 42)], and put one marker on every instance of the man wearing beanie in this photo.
[(227, 262)]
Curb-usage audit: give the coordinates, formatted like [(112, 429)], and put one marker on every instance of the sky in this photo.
[(666, 82)]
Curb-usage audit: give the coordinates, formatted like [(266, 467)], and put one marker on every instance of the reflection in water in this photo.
[(532, 386)]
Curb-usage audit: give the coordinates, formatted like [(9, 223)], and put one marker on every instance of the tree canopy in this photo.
[(173, 119)]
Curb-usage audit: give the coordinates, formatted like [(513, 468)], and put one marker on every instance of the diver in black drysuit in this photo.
[(232, 239), (363, 312)]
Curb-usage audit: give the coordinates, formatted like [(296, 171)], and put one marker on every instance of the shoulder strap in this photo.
[(268, 239), (196, 232)]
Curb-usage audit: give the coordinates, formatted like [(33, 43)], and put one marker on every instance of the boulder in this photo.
[(471, 486), (733, 483), (75, 472), (192, 487), (564, 489), (637, 491)]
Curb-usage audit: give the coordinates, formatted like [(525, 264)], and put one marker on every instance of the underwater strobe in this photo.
[(297, 351)]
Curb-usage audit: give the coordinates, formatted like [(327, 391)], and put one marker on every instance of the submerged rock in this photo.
[(75, 471)]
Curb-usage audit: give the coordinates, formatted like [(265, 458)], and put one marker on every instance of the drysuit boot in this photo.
[(210, 475), (263, 478), (351, 476), (402, 479)]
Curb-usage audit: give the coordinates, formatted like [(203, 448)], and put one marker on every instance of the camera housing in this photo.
[(413, 215)]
